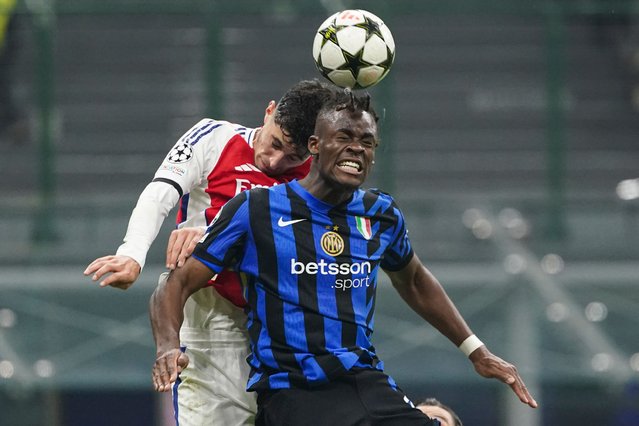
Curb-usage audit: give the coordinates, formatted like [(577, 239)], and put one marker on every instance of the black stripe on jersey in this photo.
[(343, 296), (220, 223), (401, 259), (170, 182), (313, 325), (260, 223), (308, 294)]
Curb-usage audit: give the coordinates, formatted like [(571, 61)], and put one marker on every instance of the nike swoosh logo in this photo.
[(283, 222)]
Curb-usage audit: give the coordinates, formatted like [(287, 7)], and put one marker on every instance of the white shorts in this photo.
[(211, 391)]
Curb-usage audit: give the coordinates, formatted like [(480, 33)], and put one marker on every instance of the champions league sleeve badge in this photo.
[(180, 153)]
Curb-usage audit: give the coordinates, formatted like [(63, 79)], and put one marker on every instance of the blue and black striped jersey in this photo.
[(310, 271)]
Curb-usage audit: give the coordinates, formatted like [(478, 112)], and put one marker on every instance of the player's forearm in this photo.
[(166, 306), (166, 314), (153, 206), (426, 296), (437, 308)]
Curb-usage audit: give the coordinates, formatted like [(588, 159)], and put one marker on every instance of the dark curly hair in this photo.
[(433, 402), (297, 110)]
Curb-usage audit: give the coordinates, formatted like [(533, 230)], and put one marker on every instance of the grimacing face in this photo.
[(274, 152), (345, 143)]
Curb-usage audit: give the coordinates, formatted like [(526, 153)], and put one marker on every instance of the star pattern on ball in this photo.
[(372, 26), (329, 34)]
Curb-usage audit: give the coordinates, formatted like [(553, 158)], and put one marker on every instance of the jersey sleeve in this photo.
[(222, 245), (400, 250), (183, 168), (153, 206)]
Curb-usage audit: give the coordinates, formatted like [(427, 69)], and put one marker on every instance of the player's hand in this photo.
[(182, 242), (491, 366), (167, 367), (122, 270)]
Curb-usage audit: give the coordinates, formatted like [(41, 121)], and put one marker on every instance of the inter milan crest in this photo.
[(332, 243), (180, 153)]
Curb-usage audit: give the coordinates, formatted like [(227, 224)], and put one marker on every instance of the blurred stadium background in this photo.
[(510, 139)]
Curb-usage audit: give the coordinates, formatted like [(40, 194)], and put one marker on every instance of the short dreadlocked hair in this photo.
[(347, 99), (297, 110)]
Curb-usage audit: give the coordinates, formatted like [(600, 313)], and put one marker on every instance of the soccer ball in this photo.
[(354, 48)]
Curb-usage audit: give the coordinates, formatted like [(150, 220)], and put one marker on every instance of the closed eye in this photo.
[(369, 142)]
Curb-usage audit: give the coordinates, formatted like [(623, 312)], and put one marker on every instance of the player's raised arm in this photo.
[(425, 295), (123, 268), (177, 175), (166, 309)]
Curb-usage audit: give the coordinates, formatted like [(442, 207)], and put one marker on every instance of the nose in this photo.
[(274, 161), (356, 146)]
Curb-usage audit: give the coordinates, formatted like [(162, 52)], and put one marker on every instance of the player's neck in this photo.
[(325, 191)]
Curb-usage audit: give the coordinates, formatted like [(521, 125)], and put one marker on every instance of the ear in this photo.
[(313, 145), (269, 111)]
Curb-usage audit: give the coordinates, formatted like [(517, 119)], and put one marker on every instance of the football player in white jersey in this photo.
[(209, 164)]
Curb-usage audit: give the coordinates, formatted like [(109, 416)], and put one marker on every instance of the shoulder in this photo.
[(264, 196), (379, 193), (237, 203), (264, 193), (379, 197), (209, 130), (382, 205)]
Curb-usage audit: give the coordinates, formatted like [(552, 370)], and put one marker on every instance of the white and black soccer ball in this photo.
[(180, 153), (354, 48)]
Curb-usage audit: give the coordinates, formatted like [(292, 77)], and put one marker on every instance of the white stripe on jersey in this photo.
[(247, 167)]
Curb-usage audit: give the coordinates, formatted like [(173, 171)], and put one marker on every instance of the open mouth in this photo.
[(350, 166)]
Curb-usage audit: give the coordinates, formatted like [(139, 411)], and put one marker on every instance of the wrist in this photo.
[(470, 345), (161, 351), (167, 345)]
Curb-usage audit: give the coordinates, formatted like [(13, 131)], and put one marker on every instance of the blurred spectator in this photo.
[(13, 124), (436, 410)]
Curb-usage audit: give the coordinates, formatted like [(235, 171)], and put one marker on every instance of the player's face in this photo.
[(345, 143), (275, 154), (438, 413)]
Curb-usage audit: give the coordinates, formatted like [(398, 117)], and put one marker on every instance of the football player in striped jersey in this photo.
[(209, 164), (310, 252)]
